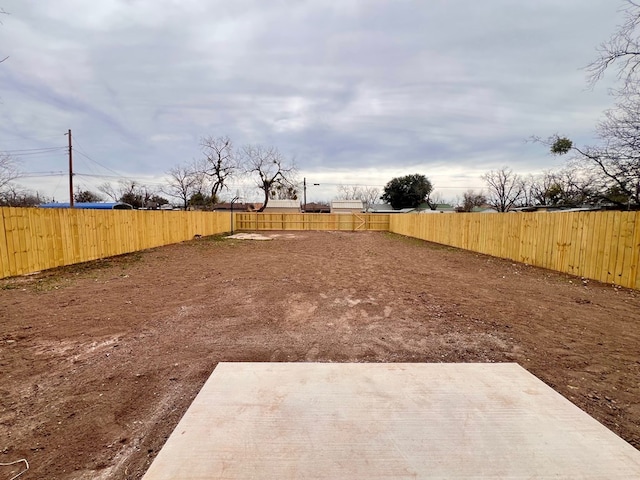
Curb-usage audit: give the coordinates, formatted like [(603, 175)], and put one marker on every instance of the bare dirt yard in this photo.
[(99, 361)]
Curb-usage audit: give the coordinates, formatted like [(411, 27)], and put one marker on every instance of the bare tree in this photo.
[(569, 187), (348, 192), (616, 162), (471, 199), (435, 199), (2, 12), (14, 196), (136, 194), (616, 158), (270, 167), (580, 186), (622, 49), (285, 191), (86, 196), (110, 191), (366, 194), (618, 155), (369, 196), (9, 170), (183, 181), (249, 192), (542, 189), (128, 191), (220, 162), (505, 188)]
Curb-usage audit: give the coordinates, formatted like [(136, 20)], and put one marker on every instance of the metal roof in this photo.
[(89, 205), (283, 204)]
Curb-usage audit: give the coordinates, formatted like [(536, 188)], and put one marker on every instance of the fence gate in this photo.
[(363, 222)]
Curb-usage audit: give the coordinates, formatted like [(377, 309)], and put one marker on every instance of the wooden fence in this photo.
[(312, 221), (603, 246), (33, 239)]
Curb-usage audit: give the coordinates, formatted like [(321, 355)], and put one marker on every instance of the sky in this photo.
[(356, 92)]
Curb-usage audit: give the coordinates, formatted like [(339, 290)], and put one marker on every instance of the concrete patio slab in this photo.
[(383, 421)]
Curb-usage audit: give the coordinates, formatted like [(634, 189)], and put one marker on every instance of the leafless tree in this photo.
[(569, 187), (348, 192), (542, 189), (269, 168), (580, 186), (249, 192), (128, 191), (110, 191), (368, 195), (14, 196), (2, 12), (220, 163), (435, 199), (616, 157), (183, 181), (615, 162), (9, 170), (285, 191), (622, 50), (471, 199), (81, 196), (505, 188)]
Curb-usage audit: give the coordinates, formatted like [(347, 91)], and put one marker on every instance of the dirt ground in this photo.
[(99, 361)]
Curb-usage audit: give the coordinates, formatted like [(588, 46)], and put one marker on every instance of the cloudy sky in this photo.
[(357, 91)]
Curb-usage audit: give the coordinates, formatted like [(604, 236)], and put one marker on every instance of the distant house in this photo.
[(282, 206), (558, 208), (89, 205), (445, 207), (438, 208), (387, 208), (347, 206), (484, 209), (317, 208)]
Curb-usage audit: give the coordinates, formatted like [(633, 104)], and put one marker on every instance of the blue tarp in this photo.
[(91, 205)]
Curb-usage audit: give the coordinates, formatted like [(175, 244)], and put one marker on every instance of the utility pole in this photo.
[(304, 189), (70, 171)]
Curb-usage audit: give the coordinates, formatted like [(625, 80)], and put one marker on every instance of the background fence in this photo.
[(33, 239), (312, 221), (603, 246)]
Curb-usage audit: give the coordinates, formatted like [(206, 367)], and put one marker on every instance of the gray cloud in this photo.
[(349, 88)]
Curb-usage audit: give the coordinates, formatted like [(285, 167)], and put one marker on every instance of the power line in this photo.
[(97, 175), (88, 165), (32, 139), (34, 153), (230, 186), (26, 150), (41, 174), (117, 174), (94, 161)]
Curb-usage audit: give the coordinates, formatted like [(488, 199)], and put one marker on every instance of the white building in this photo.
[(282, 206), (347, 206)]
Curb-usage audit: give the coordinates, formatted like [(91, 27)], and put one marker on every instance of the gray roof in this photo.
[(351, 204)]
